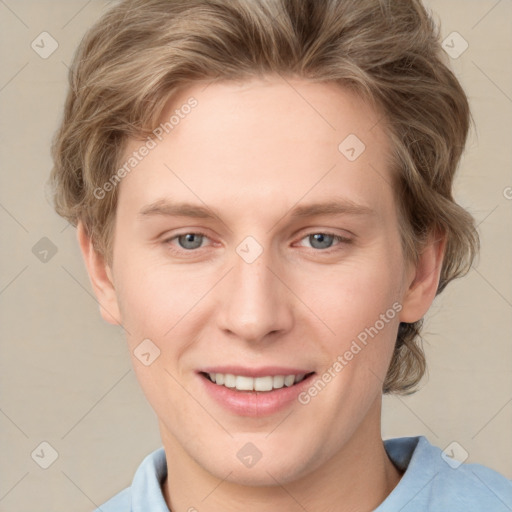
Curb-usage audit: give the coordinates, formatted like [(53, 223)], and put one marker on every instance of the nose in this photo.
[(256, 305)]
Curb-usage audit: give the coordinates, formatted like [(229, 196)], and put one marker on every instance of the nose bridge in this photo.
[(256, 304)]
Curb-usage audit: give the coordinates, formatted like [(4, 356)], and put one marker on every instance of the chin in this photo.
[(271, 469)]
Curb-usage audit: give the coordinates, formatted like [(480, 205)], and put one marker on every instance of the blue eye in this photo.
[(323, 241), (189, 242)]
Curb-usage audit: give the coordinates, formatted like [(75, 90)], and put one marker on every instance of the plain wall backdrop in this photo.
[(65, 375)]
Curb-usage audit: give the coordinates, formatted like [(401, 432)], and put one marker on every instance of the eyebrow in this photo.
[(333, 207)]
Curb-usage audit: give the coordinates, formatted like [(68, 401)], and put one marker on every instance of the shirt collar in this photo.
[(147, 483)]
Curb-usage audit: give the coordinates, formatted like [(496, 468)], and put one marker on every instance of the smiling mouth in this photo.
[(251, 384)]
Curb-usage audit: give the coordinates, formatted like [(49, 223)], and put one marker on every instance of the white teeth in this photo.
[(243, 383), (289, 380), (263, 383), (229, 380), (278, 381)]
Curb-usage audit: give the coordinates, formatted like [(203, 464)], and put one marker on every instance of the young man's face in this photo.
[(257, 289)]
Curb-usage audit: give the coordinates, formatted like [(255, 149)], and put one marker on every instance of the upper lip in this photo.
[(263, 371)]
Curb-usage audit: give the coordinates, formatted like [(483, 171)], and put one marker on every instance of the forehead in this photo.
[(263, 143)]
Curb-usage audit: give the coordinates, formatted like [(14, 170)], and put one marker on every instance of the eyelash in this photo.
[(342, 240)]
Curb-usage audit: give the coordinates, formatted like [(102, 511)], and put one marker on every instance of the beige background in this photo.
[(66, 377)]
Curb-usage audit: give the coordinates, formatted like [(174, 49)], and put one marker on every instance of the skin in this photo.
[(253, 151)]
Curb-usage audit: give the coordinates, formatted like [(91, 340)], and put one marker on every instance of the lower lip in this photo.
[(254, 403)]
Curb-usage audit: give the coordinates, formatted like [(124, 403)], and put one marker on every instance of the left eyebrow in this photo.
[(334, 207), (339, 207)]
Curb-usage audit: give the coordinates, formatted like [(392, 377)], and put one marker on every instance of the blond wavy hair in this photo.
[(140, 52)]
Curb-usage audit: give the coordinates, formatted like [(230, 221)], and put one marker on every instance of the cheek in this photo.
[(360, 305), (153, 298), (354, 296)]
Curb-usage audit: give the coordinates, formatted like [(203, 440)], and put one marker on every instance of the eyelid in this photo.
[(168, 239), (340, 238)]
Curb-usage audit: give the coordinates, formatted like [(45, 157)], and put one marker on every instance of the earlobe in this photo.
[(100, 276), (422, 287)]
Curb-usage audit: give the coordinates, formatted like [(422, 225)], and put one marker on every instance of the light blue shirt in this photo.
[(431, 482)]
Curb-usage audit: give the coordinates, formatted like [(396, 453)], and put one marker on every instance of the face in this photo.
[(250, 280)]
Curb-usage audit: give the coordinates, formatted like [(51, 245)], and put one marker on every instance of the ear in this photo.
[(423, 280), (101, 278)]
